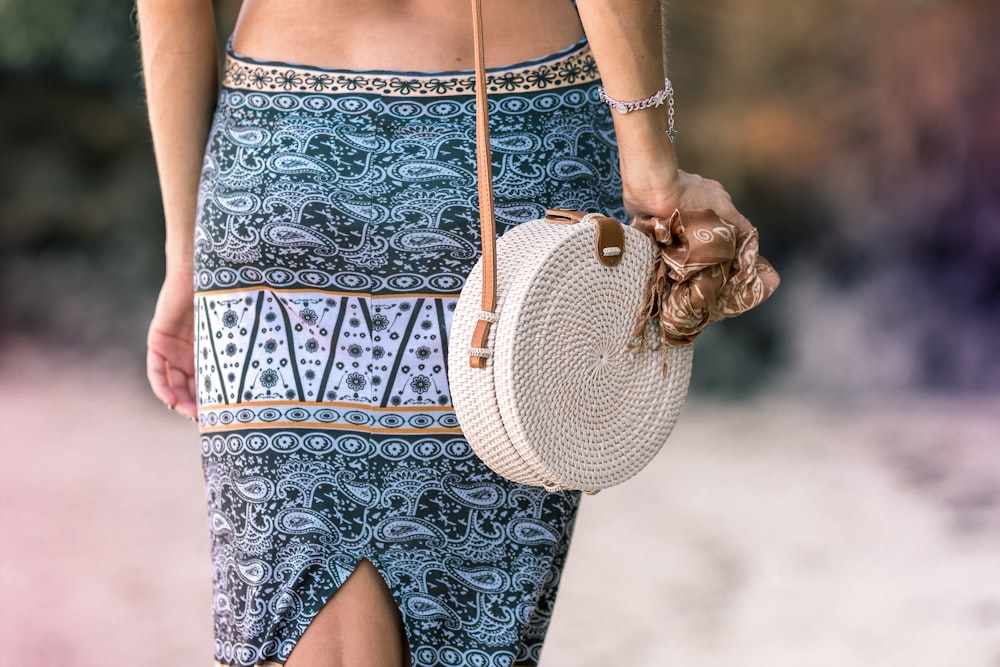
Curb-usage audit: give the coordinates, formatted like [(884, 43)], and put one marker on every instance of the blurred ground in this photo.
[(778, 532)]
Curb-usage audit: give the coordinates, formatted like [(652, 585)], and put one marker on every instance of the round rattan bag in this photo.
[(562, 401)]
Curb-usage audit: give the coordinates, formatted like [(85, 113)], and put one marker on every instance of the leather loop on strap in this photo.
[(609, 241), (609, 238), (484, 170)]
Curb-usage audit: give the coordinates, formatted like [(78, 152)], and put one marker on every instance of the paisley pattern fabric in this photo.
[(336, 227)]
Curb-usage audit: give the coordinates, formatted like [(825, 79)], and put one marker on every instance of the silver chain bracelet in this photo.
[(654, 100)]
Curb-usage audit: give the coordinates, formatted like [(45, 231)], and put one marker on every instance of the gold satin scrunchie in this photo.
[(706, 269)]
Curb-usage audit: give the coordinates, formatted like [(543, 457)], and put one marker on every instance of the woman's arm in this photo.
[(626, 37), (180, 72)]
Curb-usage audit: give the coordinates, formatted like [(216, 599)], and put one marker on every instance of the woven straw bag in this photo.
[(548, 393), (561, 402)]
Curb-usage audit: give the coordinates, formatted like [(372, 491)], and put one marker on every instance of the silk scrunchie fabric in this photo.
[(706, 269)]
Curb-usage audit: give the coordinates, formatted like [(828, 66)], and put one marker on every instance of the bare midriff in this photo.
[(402, 35)]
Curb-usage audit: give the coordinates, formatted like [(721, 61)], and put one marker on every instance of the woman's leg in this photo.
[(360, 626)]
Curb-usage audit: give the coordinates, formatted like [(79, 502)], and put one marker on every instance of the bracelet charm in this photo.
[(654, 100)]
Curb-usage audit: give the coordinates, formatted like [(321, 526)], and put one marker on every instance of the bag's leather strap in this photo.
[(610, 237), (487, 223)]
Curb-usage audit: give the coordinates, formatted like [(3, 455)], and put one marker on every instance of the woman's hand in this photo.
[(170, 346), (685, 191)]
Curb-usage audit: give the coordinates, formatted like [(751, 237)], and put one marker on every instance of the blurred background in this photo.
[(832, 495)]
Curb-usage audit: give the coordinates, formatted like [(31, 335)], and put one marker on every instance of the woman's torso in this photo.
[(402, 35)]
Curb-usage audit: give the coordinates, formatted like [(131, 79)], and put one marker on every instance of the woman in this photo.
[(326, 230)]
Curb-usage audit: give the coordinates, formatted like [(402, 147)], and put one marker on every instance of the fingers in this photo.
[(694, 192), (182, 383), (192, 392), (156, 373), (173, 386), (729, 212), (701, 192)]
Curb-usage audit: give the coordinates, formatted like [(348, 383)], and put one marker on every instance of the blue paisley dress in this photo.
[(337, 222)]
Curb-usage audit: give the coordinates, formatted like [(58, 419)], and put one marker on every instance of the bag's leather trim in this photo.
[(564, 216), (609, 240)]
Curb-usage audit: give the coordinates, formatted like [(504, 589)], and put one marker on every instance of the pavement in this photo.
[(784, 531)]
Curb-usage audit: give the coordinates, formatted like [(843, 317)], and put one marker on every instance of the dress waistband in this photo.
[(573, 65)]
